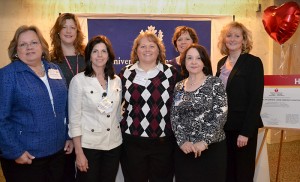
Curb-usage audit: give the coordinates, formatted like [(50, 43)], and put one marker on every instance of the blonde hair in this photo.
[(12, 48), (153, 38), (247, 37)]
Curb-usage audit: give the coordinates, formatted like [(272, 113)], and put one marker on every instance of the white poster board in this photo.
[(281, 102)]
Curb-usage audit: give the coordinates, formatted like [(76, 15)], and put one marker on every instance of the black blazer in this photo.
[(245, 87)]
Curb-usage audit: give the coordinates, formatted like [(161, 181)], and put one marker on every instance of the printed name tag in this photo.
[(105, 105), (140, 79), (54, 74)]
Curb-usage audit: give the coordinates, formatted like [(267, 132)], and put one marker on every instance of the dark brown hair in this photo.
[(109, 70), (207, 69)]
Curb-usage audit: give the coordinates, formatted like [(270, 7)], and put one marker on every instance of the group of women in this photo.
[(156, 119)]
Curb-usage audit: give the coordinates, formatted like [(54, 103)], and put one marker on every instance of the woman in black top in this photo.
[(243, 77), (67, 52)]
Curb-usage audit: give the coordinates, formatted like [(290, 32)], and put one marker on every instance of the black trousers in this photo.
[(46, 169), (103, 165), (241, 161), (144, 159), (70, 168), (209, 167)]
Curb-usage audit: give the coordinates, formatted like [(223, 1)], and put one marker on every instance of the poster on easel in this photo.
[(281, 102)]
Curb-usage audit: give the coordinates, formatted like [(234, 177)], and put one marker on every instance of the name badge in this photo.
[(178, 98), (140, 79), (105, 105), (54, 74)]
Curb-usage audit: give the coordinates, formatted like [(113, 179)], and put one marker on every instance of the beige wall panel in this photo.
[(44, 12)]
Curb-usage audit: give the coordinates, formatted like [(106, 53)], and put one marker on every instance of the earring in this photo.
[(244, 46), (16, 55)]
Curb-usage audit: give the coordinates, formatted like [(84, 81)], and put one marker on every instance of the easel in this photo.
[(286, 85), (282, 130)]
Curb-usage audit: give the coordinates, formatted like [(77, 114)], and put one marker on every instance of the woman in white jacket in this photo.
[(95, 112)]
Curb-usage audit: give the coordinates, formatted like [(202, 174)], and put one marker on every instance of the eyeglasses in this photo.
[(32, 44)]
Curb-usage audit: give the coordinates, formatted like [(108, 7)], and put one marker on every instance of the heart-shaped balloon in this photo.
[(282, 22)]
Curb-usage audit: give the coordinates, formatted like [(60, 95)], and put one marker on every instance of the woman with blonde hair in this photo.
[(147, 87), (243, 77)]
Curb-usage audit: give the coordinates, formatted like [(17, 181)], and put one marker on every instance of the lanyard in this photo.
[(70, 65)]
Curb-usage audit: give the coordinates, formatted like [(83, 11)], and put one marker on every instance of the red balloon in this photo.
[(282, 22)]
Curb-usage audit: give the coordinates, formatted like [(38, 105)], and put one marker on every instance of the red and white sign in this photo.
[(281, 102)]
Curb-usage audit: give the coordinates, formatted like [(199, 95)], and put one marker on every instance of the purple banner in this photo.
[(122, 33)]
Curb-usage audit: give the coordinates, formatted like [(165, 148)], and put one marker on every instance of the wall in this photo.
[(290, 49), (43, 13)]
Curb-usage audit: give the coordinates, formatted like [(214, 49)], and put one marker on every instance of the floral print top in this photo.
[(199, 115)]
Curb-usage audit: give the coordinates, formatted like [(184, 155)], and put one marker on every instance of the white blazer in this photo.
[(94, 116)]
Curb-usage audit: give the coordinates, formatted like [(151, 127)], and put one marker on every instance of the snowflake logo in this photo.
[(151, 29)]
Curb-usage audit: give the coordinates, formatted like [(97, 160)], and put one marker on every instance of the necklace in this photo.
[(231, 61), (102, 81), (40, 72), (192, 84), (69, 65), (195, 82), (104, 84)]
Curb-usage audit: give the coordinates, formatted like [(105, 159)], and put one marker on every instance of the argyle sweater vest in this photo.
[(147, 107)]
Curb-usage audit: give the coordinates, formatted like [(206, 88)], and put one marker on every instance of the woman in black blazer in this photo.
[(243, 77)]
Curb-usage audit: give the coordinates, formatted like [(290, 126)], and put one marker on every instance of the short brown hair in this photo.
[(12, 48), (182, 29)]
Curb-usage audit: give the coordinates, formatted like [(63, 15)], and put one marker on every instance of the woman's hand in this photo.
[(25, 158), (82, 162), (242, 141), (69, 146), (199, 146), (188, 147)]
